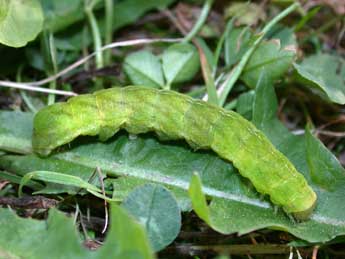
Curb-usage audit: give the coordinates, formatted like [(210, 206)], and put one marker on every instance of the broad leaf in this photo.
[(157, 210), (270, 58), (321, 159), (59, 14), (25, 164), (244, 105), (235, 205), (20, 22), (144, 68), (228, 216), (123, 186), (29, 238), (15, 131), (236, 44), (180, 63), (324, 74), (284, 34)]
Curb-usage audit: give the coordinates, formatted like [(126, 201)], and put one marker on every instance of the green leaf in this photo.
[(325, 170), (180, 63), (59, 14), (228, 216), (128, 11), (25, 164), (63, 179), (156, 209), (20, 22), (270, 58), (324, 74), (236, 44), (265, 104), (234, 205), (198, 199), (284, 34), (122, 186), (144, 68), (17, 179), (15, 131), (126, 238), (244, 105)]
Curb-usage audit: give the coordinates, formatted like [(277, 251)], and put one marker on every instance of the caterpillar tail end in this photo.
[(305, 214)]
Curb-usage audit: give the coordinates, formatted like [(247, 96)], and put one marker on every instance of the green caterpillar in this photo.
[(176, 116)]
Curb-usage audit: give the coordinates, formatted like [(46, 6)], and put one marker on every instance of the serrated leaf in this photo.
[(144, 68), (157, 210), (57, 237), (324, 74), (180, 63), (20, 22)]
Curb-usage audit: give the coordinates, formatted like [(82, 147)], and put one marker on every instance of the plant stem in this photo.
[(26, 99), (97, 41), (225, 34), (212, 96), (199, 23), (109, 9), (240, 66), (52, 55)]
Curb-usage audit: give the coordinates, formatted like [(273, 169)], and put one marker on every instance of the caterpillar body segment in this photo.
[(176, 116)]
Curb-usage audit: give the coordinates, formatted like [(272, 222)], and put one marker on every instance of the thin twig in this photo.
[(29, 202), (109, 46), (26, 86), (200, 22), (3, 183), (175, 21), (315, 250), (330, 133), (33, 86)]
